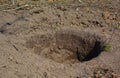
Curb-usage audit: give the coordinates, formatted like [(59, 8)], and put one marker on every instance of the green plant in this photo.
[(118, 27), (107, 47), (57, 27)]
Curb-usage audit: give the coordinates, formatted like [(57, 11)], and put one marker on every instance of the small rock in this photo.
[(59, 47), (45, 74), (51, 49), (114, 75), (11, 58)]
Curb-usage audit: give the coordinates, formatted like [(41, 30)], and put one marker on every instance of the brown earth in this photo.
[(59, 39)]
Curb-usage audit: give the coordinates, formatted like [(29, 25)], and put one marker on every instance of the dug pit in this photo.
[(67, 46)]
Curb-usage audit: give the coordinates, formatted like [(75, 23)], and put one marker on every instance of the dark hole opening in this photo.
[(94, 52)]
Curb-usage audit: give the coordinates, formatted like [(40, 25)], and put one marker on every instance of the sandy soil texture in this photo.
[(60, 39)]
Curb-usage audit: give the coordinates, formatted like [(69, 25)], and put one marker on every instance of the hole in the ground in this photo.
[(97, 49), (67, 46)]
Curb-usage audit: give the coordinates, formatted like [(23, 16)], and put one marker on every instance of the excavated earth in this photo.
[(60, 39)]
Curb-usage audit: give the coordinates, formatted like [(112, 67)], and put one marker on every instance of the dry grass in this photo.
[(10, 5)]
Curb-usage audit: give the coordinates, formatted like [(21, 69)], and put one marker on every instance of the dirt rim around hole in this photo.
[(67, 45)]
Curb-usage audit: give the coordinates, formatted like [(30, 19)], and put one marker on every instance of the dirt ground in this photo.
[(55, 39)]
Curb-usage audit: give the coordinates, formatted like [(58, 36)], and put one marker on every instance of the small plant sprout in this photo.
[(118, 27), (107, 47)]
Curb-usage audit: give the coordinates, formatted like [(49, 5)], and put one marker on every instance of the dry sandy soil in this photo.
[(60, 39)]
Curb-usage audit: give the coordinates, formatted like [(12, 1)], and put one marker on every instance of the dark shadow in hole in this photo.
[(98, 48)]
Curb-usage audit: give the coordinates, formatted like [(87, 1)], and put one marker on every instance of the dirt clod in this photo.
[(104, 73)]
